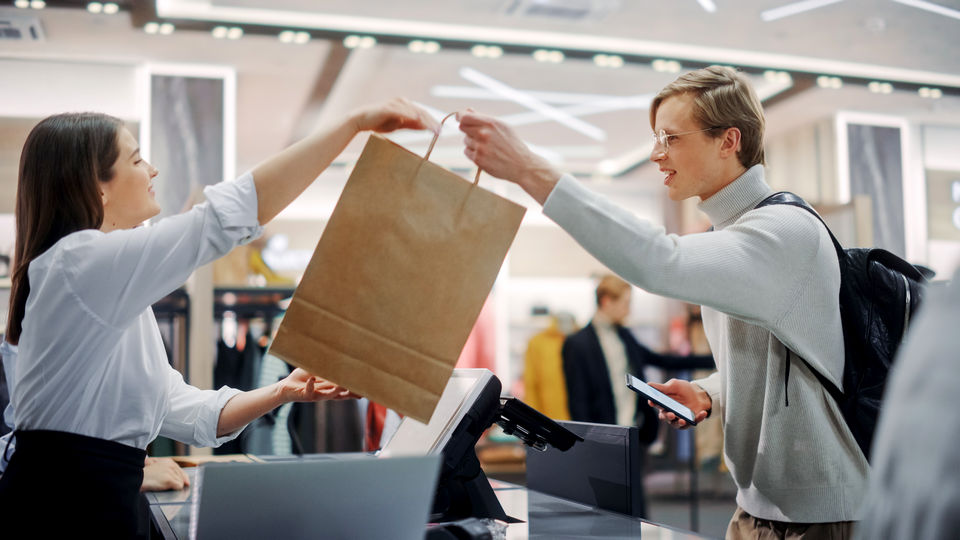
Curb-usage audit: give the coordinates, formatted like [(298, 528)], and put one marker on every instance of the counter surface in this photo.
[(544, 516)]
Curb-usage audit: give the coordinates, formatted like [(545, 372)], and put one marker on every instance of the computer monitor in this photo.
[(604, 471), (416, 438)]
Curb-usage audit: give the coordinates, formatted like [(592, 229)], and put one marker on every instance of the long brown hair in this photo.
[(58, 193)]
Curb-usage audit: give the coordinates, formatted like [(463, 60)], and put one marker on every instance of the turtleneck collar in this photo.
[(739, 196)]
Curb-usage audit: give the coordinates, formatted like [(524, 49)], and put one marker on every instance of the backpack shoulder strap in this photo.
[(882, 256), (791, 199)]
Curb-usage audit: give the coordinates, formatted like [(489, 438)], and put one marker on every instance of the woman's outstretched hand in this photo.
[(302, 386), (398, 113)]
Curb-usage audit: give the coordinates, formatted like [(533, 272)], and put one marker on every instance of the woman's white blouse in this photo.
[(90, 358)]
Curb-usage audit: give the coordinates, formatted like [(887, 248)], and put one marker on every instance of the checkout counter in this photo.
[(460, 490), (541, 516)]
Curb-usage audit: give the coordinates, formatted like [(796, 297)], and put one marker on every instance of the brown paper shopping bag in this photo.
[(398, 278)]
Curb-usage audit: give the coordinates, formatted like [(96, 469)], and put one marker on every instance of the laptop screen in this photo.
[(349, 498)]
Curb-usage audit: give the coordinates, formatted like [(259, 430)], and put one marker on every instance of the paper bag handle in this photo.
[(436, 136)]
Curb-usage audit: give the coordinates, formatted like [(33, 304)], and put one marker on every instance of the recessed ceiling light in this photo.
[(22, 4), (151, 27), (486, 51), (166, 29), (827, 81), (111, 8), (666, 66), (38, 4), (776, 76), (608, 60), (289, 36), (235, 33), (359, 42), (95, 7), (301, 38), (219, 32), (878, 87), (546, 55), (420, 46)]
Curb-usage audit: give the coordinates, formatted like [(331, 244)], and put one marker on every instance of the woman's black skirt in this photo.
[(62, 485)]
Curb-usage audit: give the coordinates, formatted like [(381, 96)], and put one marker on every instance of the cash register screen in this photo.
[(416, 438)]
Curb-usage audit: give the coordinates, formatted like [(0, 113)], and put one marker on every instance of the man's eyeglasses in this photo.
[(663, 138)]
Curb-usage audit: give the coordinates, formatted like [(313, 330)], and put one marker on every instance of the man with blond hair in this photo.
[(596, 360), (768, 281)]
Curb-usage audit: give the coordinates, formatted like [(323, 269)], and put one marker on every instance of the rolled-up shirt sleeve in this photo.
[(193, 414)]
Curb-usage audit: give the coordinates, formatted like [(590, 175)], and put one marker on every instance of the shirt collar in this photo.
[(736, 198), (6, 348), (602, 323)]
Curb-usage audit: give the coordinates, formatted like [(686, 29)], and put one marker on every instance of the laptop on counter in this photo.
[(351, 498)]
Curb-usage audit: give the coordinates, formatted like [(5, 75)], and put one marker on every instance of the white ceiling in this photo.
[(905, 34), (284, 89)]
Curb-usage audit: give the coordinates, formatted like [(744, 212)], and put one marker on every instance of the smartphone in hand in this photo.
[(661, 399)]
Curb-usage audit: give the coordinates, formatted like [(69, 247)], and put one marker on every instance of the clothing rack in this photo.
[(250, 302), (242, 364), (173, 319), (173, 311)]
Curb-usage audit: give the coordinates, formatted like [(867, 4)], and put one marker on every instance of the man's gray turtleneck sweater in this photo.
[(765, 278)]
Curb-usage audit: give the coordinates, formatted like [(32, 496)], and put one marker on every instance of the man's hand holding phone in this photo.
[(687, 393)]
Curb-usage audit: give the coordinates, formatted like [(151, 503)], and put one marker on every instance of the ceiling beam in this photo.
[(327, 76)]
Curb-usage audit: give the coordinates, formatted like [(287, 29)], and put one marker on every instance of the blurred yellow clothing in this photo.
[(259, 266), (545, 386)]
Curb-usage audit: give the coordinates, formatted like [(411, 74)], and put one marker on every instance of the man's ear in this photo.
[(730, 143)]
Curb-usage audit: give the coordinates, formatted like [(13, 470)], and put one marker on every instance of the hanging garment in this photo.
[(543, 380)]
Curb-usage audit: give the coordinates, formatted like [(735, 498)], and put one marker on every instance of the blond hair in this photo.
[(611, 286), (723, 98)]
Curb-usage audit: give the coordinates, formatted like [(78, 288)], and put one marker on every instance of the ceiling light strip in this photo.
[(532, 103), (931, 7), (553, 98), (795, 9), (708, 6), (603, 105), (557, 40)]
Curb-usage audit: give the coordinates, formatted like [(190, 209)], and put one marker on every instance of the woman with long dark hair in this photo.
[(91, 385)]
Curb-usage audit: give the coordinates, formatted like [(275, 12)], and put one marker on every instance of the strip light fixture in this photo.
[(708, 5), (794, 9), (931, 7)]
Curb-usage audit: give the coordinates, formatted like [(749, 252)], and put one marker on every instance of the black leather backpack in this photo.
[(879, 292)]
